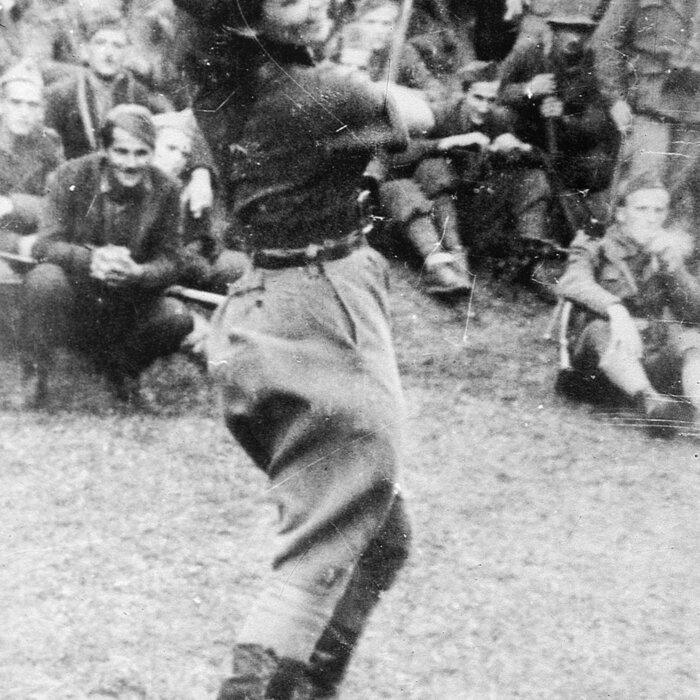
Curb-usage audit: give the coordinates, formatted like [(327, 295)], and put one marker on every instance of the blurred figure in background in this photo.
[(29, 151)]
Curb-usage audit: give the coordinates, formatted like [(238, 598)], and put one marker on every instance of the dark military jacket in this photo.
[(585, 136), (25, 164), (71, 109), (614, 269), (86, 209), (648, 53)]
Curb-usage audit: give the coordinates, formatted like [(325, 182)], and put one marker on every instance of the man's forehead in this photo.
[(651, 196), (22, 90), (484, 88)]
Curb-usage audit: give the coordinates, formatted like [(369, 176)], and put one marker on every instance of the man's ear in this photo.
[(620, 214)]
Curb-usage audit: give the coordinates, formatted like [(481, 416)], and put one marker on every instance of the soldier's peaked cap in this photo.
[(572, 21), (25, 72)]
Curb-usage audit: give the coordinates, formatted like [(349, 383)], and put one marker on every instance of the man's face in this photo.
[(22, 107), (376, 26), (569, 43), (480, 100), (172, 150), (301, 22), (128, 158), (105, 52), (643, 214)]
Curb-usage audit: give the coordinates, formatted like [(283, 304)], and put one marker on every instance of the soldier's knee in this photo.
[(47, 283), (436, 176)]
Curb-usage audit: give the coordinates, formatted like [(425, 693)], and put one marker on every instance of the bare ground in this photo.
[(556, 548)]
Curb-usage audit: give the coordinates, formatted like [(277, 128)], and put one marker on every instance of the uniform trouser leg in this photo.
[(374, 574), (592, 352), (310, 390), (47, 319), (157, 330)]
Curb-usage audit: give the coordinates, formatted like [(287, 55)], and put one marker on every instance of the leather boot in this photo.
[(258, 674), (443, 277)]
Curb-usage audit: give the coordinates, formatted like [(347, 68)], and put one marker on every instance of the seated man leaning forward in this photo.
[(639, 308), (107, 251)]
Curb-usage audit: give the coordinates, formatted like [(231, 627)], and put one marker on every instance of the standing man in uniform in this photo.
[(648, 65), (301, 348)]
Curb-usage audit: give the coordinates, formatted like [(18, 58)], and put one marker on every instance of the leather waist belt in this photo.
[(278, 258)]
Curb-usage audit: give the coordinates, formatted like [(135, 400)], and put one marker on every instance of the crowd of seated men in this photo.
[(106, 180)]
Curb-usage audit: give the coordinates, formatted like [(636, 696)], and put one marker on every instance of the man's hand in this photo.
[(474, 138), (198, 194), (551, 107), (508, 142), (624, 336), (541, 85), (114, 266), (621, 114)]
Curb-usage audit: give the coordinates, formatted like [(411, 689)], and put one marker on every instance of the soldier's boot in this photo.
[(330, 661), (258, 674), (442, 275), (444, 215)]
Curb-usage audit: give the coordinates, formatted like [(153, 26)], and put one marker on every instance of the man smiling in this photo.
[(107, 250)]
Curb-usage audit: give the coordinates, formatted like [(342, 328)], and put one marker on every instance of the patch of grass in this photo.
[(555, 550)]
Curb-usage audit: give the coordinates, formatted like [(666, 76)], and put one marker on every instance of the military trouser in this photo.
[(120, 333), (310, 389)]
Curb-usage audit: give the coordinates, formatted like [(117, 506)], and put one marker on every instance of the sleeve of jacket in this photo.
[(160, 269), (609, 44), (579, 284), (518, 69), (56, 240), (28, 205)]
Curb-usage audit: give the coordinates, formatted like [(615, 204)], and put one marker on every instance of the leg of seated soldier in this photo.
[(629, 375), (592, 352), (410, 210), (374, 574), (47, 321), (158, 329)]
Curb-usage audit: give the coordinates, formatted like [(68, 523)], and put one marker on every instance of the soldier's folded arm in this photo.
[(579, 285)]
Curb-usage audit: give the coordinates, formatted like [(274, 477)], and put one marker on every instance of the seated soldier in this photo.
[(484, 177), (205, 263), (107, 250), (637, 303), (76, 107), (29, 151), (554, 94), (421, 216)]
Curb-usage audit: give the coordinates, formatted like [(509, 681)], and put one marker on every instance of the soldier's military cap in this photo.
[(25, 72), (578, 22), (644, 181), (136, 120)]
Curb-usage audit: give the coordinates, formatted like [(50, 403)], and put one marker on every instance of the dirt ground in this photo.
[(555, 556)]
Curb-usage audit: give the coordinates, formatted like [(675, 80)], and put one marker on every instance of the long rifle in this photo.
[(24, 263)]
